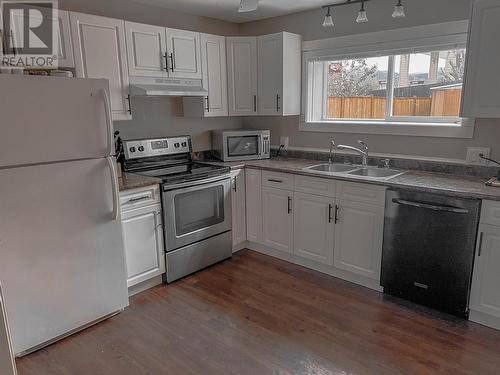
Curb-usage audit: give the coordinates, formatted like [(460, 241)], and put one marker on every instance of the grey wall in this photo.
[(160, 117), (419, 12)]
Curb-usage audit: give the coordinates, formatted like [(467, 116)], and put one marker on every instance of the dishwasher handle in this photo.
[(428, 206)]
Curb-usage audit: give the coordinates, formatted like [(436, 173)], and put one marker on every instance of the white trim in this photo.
[(384, 43), (390, 128), (410, 37)]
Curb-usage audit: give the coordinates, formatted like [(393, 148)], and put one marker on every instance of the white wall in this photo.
[(419, 12)]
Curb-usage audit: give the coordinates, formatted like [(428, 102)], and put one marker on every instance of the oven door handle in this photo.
[(197, 182)]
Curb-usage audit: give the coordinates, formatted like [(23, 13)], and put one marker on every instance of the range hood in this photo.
[(145, 86)]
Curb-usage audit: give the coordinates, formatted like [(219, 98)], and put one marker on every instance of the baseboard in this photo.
[(329, 270), (145, 285), (484, 319), (240, 246)]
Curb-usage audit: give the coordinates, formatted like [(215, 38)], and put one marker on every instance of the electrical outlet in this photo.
[(284, 141), (473, 155)]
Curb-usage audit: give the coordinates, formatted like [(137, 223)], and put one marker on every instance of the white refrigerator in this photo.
[(62, 262)]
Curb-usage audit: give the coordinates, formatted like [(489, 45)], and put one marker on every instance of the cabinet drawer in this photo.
[(314, 185), (278, 180), (141, 197), (490, 213), (362, 193)]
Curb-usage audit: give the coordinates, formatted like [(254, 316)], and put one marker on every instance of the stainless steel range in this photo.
[(196, 202)]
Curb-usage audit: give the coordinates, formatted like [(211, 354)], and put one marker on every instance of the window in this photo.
[(423, 86), (411, 85)]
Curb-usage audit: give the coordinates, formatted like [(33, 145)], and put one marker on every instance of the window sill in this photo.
[(464, 130)]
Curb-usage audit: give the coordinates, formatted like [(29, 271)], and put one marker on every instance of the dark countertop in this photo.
[(448, 184), (133, 181)]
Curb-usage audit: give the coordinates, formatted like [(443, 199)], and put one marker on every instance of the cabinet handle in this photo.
[(336, 213), (208, 104), (289, 205), (273, 180), (480, 249), (235, 187), (129, 104), (255, 103), (278, 102), (172, 61), (137, 199), (166, 61), (330, 208)]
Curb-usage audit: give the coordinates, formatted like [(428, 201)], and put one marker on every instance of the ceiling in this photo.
[(227, 10)]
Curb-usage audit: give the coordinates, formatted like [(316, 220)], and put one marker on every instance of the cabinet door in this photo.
[(253, 185), (100, 52), (481, 94), (213, 57), (314, 227), (238, 198), (270, 73), (183, 48), (358, 238), (277, 219), (143, 238), (146, 50), (485, 294), (242, 75)]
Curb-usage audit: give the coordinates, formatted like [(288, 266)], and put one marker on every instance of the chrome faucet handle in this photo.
[(387, 163), (333, 143)]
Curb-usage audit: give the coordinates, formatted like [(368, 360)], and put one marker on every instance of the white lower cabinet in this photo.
[(253, 186), (238, 201), (143, 240), (314, 227), (277, 219), (358, 238), (485, 292)]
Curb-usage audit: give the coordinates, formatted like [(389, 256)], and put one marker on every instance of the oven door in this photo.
[(195, 211), (246, 146)]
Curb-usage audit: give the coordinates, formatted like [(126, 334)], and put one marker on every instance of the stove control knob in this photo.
[(132, 149), (184, 144), (141, 148), (177, 145)]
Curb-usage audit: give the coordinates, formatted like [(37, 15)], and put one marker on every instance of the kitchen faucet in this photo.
[(363, 151), (332, 146)]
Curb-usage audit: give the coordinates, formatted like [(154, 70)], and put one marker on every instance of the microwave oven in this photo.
[(238, 145)]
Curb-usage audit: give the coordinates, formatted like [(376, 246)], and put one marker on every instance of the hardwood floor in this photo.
[(255, 314)]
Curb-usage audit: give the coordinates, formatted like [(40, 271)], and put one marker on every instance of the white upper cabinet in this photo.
[(146, 50), (100, 52), (279, 74), (184, 54), (481, 94), (242, 75), (214, 77)]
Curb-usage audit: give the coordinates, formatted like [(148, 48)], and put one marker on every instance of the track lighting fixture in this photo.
[(362, 17), (328, 21), (399, 10)]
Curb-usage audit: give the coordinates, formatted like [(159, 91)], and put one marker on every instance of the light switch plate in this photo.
[(284, 141), (473, 155)]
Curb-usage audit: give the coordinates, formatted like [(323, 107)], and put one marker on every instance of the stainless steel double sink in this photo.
[(356, 170)]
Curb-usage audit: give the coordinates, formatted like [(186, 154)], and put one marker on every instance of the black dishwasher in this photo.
[(428, 252)]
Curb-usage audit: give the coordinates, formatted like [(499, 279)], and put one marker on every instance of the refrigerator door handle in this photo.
[(114, 187), (109, 121)]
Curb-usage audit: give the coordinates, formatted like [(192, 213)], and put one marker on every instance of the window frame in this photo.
[(386, 43)]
